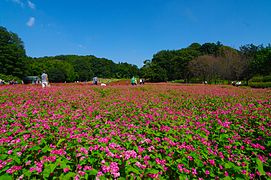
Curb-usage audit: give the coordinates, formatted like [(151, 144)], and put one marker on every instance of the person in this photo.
[(95, 80), (133, 80), (44, 79)]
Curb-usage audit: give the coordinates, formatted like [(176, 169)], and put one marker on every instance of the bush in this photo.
[(267, 78), (260, 84), (179, 81), (256, 79), (8, 78), (195, 80)]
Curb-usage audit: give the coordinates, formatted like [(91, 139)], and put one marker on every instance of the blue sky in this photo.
[(133, 30)]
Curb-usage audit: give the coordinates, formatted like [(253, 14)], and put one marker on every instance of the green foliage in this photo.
[(260, 84), (210, 61), (8, 78), (260, 81), (267, 78), (154, 73), (12, 54), (256, 79), (179, 81), (80, 68)]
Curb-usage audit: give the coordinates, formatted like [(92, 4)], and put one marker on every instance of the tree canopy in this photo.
[(209, 61), (12, 54)]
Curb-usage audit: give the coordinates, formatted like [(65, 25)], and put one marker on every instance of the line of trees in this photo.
[(209, 62), (196, 63), (69, 68)]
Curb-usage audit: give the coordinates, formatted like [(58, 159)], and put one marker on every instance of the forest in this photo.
[(211, 62)]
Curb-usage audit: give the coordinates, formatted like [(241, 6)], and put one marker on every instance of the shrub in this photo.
[(256, 79), (179, 81), (8, 78), (260, 84), (267, 78)]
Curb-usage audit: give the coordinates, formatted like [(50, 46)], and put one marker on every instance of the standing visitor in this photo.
[(133, 80), (95, 80), (44, 80)]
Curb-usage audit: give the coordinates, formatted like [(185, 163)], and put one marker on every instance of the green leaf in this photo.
[(5, 177), (27, 173), (16, 159), (46, 149), (260, 166), (3, 156), (229, 165), (60, 141), (182, 177), (52, 167), (35, 148), (46, 172), (131, 169), (69, 176), (227, 178), (93, 172), (152, 171)]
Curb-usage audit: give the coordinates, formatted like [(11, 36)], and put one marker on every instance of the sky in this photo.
[(133, 30)]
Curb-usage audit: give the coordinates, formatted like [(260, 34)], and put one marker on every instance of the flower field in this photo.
[(161, 131)]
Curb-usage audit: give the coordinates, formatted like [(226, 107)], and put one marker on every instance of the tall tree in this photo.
[(12, 54)]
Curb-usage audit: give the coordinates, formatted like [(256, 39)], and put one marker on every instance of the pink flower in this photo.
[(207, 172), (87, 168), (81, 173), (10, 152), (28, 163), (194, 171), (52, 158), (66, 170), (212, 162), (83, 150), (190, 158), (77, 177), (13, 169)]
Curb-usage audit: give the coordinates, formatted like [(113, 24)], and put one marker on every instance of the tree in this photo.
[(210, 48), (12, 54), (204, 67), (231, 65), (153, 72), (261, 63)]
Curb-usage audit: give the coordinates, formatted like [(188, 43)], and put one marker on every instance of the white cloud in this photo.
[(31, 5), (30, 22), (18, 2)]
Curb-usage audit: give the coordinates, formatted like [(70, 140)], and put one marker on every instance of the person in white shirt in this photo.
[(44, 80)]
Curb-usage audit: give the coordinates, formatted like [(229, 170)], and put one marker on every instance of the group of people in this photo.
[(134, 81), (45, 81), (2, 82)]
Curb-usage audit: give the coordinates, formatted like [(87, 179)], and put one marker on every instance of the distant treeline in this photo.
[(196, 63), (71, 68), (209, 62)]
